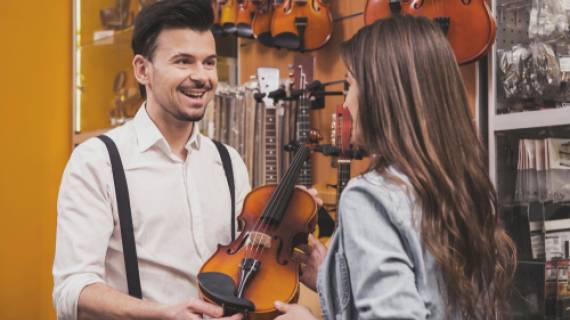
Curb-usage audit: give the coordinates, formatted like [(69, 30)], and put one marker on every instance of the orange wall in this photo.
[(35, 126)]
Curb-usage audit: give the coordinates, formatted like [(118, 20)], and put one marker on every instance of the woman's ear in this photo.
[(141, 69)]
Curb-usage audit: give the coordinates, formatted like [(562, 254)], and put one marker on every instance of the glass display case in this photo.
[(529, 147)]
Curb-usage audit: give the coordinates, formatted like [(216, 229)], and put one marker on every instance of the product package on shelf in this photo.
[(543, 170)]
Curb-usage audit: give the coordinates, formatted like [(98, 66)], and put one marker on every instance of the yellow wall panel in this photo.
[(35, 115)]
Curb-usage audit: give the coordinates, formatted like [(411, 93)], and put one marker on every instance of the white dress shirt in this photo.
[(180, 209)]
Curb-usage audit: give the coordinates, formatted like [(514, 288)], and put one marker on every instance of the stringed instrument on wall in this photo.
[(216, 26), (261, 23), (269, 81), (244, 19), (468, 24), (303, 74), (229, 16), (301, 24), (340, 137)]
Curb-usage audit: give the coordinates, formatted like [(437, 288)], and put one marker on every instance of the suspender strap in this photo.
[(228, 169), (125, 219)]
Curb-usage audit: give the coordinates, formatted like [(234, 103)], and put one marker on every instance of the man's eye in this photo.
[(211, 63), (183, 61)]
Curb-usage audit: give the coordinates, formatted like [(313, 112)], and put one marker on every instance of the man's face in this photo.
[(182, 76)]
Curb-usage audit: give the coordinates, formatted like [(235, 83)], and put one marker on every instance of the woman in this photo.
[(419, 236)]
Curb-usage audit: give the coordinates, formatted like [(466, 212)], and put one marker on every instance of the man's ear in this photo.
[(141, 69)]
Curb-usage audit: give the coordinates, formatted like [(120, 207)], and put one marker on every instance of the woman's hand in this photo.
[(310, 260), (293, 312)]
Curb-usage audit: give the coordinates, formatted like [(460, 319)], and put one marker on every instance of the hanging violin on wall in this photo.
[(261, 24), (256, 269), (228, 16), (245, 13), (468, 24), (216, 26), (302, 24)]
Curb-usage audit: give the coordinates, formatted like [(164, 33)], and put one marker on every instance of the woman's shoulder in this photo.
[(389, 193)]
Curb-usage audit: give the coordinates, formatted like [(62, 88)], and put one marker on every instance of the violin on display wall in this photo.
[(301, 24), (261, 23), (245, 14), (216, 26), (228, 16), (468, 24)]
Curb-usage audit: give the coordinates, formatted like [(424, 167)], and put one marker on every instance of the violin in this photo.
[(256, 269), (245, 13), (216, 26), (302, 24), (228, 16), (261, 23), (468, 24)]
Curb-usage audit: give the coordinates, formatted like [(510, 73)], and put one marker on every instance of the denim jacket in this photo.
[(376, 266)]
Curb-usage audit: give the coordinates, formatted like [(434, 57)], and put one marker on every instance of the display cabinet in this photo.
[(529, 148)]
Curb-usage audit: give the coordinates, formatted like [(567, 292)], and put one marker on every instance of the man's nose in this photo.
[(200, 75)]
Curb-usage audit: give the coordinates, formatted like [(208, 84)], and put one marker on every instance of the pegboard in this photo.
[(512, 22)]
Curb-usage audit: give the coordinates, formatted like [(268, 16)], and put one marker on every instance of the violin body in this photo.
[(261, 23), (228, 16), (216, 26), (471, 30), (316, 17), (278, 275), (245, 13)]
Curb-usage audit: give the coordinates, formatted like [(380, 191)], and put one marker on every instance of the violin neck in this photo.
[(275, 209)]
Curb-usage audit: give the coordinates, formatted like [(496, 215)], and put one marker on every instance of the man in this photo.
[(177, 185)]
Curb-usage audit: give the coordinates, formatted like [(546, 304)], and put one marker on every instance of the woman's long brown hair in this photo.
[(413, 114)]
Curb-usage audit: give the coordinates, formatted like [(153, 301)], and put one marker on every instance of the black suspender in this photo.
[(125, 219), (227, 163), (124, 207)]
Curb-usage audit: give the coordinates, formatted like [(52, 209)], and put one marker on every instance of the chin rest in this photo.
[(220, 288)]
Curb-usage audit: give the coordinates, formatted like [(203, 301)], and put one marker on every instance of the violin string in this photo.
[(274, 206), (288, 183), (259, 227)]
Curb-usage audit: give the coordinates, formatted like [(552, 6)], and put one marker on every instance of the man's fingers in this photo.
[(237, 316), (281, 306), (201, 306)]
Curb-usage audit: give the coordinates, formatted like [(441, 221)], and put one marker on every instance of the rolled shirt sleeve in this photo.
[(382, 275), (84, 226)]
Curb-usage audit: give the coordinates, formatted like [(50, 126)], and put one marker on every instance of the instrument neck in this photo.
[(343, 176), (270, 145), (303, 131), (275, 209)]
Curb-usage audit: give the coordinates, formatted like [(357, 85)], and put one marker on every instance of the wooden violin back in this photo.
[(245, 13), (229, 16), (261, 23), (313, 16), (470, 28)]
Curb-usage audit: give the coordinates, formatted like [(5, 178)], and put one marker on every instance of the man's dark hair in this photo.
[(196, 15)]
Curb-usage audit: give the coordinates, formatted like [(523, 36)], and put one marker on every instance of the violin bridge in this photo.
[(259, 239)]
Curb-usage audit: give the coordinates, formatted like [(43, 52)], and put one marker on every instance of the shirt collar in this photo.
[(148, 133)]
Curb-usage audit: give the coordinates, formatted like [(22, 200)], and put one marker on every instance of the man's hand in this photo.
[(194, 309), (293, 312)]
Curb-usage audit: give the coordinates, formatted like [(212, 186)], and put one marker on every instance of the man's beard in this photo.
[(189, 118)]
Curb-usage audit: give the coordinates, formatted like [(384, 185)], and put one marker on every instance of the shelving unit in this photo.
[(527, 220)]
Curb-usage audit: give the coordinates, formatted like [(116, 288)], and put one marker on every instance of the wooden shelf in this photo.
[(532, 119)]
